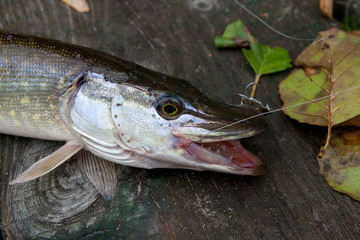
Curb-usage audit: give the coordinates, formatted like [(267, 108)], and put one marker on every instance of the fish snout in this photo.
[(224, 122)]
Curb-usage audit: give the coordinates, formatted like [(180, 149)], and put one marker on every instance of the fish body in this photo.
[(34, 76), (31, 81), (116, 110)]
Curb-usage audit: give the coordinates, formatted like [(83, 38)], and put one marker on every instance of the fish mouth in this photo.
[(214, 144), (223, 156)]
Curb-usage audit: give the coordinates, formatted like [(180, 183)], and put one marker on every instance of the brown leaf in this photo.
[(330, 69), (340, 165), (326, 7), (79, 5), (337, 57), (355, 121)]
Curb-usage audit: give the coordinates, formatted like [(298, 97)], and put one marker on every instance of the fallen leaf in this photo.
[(236, 34), (340, 164), (265, 59), (326, 7), (330, 70), (79, 5), (326, 67), (355, 121)]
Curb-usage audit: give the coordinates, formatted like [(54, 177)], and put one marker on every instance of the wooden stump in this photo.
[(291, 201)]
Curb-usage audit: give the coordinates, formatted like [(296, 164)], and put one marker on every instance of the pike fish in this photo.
[(110, 110)]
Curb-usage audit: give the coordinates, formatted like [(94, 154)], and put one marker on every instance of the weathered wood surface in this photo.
[(291, 201)]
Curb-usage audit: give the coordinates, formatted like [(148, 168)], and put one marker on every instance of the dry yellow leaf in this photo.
[(326, 7), (79, 5)]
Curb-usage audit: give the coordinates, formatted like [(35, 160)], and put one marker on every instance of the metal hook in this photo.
[(249, 85), (251, 99)]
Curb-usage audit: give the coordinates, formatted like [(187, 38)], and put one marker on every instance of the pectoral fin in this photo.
[(48, 163), (101, 173)]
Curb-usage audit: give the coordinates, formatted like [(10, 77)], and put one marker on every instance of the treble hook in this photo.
[(251, 99)]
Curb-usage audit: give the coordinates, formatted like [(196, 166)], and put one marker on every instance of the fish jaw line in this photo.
[(198, 134), (221, 156), (214, 129)]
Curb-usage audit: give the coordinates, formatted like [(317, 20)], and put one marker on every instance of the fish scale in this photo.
[(32, 81)]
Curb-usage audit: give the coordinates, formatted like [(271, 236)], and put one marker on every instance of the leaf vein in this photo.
[(306, 99), (314, 82), (346, 70), (347, 55), (310, 115), (345, 103)]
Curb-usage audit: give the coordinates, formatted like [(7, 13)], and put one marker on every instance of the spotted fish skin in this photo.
[(33, 77), (35, 74)]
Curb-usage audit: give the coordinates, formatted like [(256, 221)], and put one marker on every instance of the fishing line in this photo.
[(293, 106), (277, 110), (284, 108), (270, 27), (285, 35)]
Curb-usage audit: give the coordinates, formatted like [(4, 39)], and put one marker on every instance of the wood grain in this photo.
[(291, 201)]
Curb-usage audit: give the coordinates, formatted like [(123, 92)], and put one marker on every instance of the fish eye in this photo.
[(169, 107)]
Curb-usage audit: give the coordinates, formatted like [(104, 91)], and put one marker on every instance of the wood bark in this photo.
[(291, 201)]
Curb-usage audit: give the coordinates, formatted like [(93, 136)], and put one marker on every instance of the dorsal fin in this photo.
[(49, 163)]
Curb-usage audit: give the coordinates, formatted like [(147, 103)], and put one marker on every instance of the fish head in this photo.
[(173, 125)]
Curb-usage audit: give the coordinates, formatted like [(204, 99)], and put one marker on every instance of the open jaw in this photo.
[(224, 156)]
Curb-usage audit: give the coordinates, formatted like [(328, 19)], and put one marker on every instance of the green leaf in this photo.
[(350, 23), (236, 34), (340, 165), (265, 59)]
